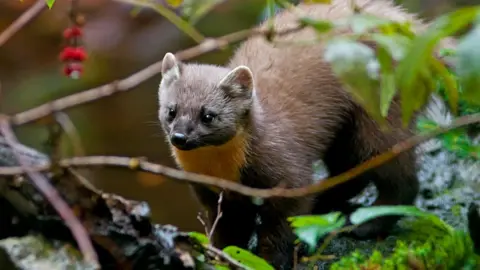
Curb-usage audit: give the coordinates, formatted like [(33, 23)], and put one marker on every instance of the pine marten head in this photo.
[(203, 105)]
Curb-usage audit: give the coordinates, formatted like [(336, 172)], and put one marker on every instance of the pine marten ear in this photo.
[(238, 82), (170, 68)]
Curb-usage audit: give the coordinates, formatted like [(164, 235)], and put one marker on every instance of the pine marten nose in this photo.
[(178, 139)]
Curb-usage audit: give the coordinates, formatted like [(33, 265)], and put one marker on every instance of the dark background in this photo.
[(125, 124)]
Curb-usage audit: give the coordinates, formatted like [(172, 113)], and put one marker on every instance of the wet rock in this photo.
[(32, 252)]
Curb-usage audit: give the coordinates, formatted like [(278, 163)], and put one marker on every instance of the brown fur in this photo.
[(274, 118)]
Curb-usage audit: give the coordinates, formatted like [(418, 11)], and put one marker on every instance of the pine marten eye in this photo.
[(207, 117), (172, 112)]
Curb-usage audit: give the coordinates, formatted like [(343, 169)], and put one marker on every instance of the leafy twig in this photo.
[(23, 20), (140, 164), (51, 194), (169, 15), (208, 45)]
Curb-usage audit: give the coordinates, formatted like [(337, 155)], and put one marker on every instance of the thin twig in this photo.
[(71, 131), (224, 256), (208, 45), (143, 165), (217, 218), (204, 224), (318, 254), (295, 257), (23, 20), (84, 181), (51, 194)]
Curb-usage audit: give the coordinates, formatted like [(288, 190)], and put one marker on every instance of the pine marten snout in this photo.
[(266, 117)]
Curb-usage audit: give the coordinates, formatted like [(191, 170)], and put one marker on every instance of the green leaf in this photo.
[(50, 3), (391, 47), (451, 89), (271, 7), (458, 142), (309, 229), (426, 125), (358, 69), (221, 267), (318, 220), (319, 25), (361, 22), (416, 96), (365, 214), (200, 237), (417, 59), (395, 44), (174, 3), (194, 10), (387, 81), (248, 259), (468, 65)]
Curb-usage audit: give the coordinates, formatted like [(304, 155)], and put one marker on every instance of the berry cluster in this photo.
[(73, 55)]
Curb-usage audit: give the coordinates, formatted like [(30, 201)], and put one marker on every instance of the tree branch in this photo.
[(51, 194), (208, 45), (139, 164), (23, 20)]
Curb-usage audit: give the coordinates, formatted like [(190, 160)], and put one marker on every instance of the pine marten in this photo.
[(263, 120)]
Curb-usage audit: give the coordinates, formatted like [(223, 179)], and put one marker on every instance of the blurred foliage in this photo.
[(457, 141)]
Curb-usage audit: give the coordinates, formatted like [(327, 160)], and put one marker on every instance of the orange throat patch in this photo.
[(224, 161)]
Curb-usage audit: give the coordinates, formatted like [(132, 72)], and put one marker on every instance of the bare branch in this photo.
[(204, 224), (218, 217), (140, 164), (51, 194), (208, 45), (23, 20)]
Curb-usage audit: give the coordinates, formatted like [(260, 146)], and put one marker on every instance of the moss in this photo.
[(429, 244)]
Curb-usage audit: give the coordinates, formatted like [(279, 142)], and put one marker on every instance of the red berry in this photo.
[(73, 70), (80, 54), (66, 53), (71, 53), (73, 31)]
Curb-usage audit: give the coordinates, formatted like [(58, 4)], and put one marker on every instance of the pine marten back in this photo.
[(266, 117)]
